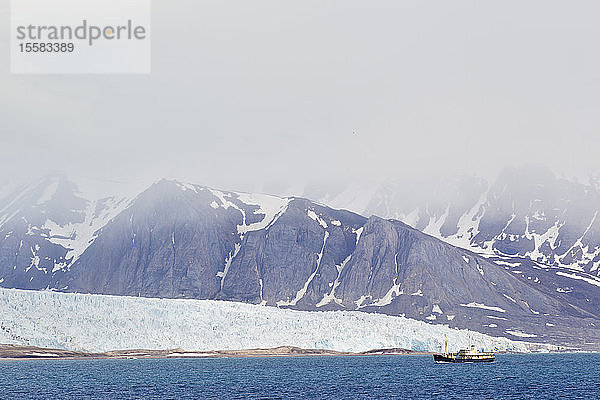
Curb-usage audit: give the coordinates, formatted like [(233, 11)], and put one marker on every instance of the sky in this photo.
[(248, 92)]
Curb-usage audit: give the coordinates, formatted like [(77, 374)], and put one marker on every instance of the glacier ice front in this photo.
[(100, 323)]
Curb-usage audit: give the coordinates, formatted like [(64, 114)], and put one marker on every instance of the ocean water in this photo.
[(537, 376)]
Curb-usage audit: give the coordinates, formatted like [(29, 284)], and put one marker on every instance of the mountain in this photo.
[(45, 227), (526, 212), (528, 220), (179, 240)]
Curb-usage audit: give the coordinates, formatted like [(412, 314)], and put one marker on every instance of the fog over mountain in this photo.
[(248, 93)]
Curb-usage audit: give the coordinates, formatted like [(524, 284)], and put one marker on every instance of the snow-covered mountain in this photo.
[(178, 240), (526, 212), (527, 220), (47, 225)]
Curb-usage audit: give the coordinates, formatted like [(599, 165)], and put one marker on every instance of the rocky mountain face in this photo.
[(528, 221), (180, 240), (527, 214)]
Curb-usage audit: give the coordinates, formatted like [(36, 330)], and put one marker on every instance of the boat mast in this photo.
[(445, 344)]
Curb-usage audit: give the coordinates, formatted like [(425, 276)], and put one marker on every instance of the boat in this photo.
[(469, 355)]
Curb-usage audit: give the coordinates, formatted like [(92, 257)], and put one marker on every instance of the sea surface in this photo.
[(536, 376)]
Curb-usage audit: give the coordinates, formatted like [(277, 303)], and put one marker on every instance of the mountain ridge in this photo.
[(179, 240), (526, 212)]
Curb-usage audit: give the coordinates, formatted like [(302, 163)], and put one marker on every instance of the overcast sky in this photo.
[(288, 91)]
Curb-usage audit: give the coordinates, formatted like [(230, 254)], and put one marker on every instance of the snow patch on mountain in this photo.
[(589, 279), (77, 237), (435, 224), (521, 334), (389, 296), (272, 207), (313, 215), (483, 306)]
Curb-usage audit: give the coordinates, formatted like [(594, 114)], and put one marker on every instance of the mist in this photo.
[(244, 94)]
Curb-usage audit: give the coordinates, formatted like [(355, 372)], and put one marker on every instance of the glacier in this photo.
[(98, 323)]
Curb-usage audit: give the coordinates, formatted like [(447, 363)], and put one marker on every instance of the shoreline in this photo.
[(18, 352)]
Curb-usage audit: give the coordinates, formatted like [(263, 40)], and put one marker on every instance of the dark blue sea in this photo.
[(539, 376)]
